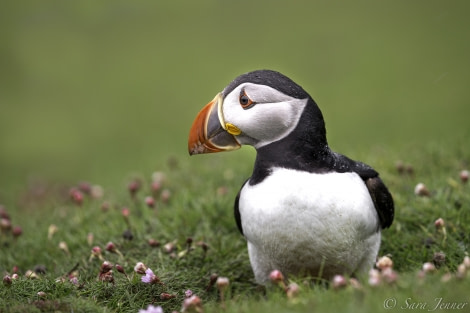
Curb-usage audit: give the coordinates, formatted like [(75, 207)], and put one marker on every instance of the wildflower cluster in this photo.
[(8, 231)]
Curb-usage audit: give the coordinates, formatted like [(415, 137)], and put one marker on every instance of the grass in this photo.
[(200, 208), (106, 93)]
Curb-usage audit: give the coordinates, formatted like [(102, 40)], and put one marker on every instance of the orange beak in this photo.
[(209, 133)]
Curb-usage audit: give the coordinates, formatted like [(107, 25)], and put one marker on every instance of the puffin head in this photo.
[(257, 108)]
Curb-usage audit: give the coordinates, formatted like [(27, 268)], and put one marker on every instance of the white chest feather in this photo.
[(296, 221)]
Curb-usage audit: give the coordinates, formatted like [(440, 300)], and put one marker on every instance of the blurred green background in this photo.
[(94, 90)]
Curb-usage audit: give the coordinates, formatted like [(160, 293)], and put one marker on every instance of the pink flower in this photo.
[(133, 187), (150, 277), (76, 195), (125, 212), (276, 276), (339, 282), (74, 280), (464, 176), (192, 304), (150, 202), (152, 309), (110, 247), (7, 280)]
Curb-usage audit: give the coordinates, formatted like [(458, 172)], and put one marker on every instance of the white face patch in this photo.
[(272, 118)]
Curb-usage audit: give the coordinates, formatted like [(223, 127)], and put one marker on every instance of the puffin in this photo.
[(306, 210)]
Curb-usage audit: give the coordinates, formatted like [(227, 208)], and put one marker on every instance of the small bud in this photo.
[(166, 296), (125, 212), (140, 268), (106, 276), (165, 196), (31, 274), (97, 192), (96, 250), (188, 293), (192, 304), (422, 190), (16, 231), (152, 309), (7, 280), (384, 262), (428, 267), (212, 280), (5, 225), (409, 169), (461, 271), (96, 253), (110, 247), (74, 280), (120, 269), (153, 243), (155, 186), (339, 282), (439, 223), (158, 177), (51, 231), (169, 247), (89, 238), (4, 213), (133, 187), (276, 277), (63, 246), (292, 290), (389, 275), (150, 202), (14, 276), (222, 283), (400, 166), (76, 196), (189, 241), (464, 176), (204, 246), (85, 187), (374, 278), (466, 261), (42, 294), (106, 267)]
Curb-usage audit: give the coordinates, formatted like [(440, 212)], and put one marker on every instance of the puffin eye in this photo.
[(245, 101)]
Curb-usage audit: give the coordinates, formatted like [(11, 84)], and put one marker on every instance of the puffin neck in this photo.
[(305, 149)]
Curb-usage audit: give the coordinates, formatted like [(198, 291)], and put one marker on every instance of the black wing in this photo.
[(379, 193), (236, 210), (382, 199)]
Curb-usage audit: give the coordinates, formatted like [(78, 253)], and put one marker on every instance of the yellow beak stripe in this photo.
[(232, 129)]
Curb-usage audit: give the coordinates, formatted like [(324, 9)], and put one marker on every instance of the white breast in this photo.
[(296, 221)]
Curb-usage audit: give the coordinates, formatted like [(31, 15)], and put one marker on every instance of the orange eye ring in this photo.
[(245, 101)]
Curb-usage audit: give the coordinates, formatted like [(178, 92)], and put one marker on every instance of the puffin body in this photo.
[(305, 209), (299, 223)]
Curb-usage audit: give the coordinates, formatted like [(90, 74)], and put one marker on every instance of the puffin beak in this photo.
[(209, 132)]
